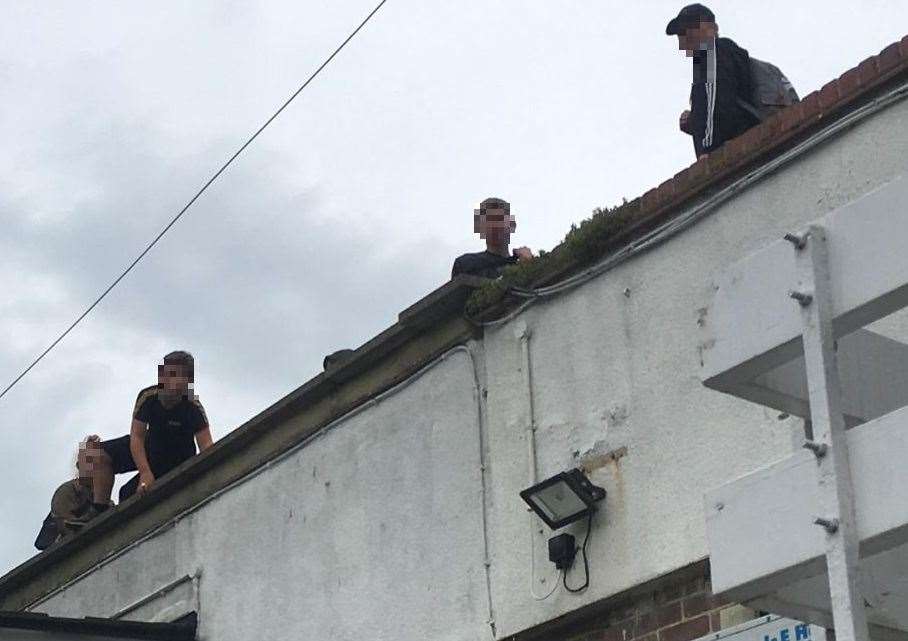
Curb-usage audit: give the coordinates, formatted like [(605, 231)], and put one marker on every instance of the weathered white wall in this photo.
[(371, 531), (393, 547), (624, 370)]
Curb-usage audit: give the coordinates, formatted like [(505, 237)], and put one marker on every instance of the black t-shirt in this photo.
[(485, 264), (171, 429)]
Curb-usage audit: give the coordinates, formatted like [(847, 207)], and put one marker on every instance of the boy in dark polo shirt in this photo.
[(168, 422), (494, 224)]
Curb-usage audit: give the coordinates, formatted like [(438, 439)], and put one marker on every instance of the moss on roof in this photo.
[(583, 244), (591, 239)]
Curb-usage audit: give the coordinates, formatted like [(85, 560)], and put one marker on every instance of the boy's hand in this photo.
[(684, 122), (146, 479)]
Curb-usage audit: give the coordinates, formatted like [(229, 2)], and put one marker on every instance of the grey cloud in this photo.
[(346, 211)]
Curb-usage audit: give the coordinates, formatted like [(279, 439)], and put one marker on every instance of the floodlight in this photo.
[(564, 498)]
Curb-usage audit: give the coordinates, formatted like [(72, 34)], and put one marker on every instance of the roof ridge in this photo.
[(772, 136)]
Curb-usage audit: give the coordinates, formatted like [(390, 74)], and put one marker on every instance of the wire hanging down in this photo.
[(586, 563), (194, 198)]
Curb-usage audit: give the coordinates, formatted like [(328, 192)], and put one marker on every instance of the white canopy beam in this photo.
[(751, 327), (829, 445)]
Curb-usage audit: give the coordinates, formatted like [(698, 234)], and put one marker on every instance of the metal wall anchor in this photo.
[(803, 298), (830, 525), (798, 240), (819, 449)]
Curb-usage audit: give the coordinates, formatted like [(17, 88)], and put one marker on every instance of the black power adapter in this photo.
[(562, 550)]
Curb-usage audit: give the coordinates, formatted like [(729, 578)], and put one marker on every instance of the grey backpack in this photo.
[(772, 91)]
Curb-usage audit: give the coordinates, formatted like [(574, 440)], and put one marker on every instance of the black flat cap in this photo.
[(688, 16)]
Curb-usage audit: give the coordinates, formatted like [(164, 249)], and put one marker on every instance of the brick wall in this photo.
[(679, 611)]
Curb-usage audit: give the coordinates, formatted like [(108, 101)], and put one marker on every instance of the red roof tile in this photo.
[(768, 139)]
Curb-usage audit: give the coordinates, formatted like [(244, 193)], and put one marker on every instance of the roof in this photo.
[(778, 133), (758, 145), (423, 332), (182, 631)]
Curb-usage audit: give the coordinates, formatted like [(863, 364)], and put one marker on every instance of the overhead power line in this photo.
[(194, 198)]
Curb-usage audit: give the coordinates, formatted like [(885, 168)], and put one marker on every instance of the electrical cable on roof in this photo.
[(692, 216), (193, 199)]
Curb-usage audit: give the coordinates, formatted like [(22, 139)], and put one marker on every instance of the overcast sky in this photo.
[(350, 207)]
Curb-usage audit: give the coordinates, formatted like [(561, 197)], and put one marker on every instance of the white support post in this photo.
[(829, 444)]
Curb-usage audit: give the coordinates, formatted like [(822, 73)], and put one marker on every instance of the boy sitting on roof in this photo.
[(168, 422), (494, 223), (72, 500)]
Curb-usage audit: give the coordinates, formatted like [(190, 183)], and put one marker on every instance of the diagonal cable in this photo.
[(194, 198)]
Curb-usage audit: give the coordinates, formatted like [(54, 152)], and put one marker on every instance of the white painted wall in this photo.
[(371, 531), (393, 547), (624, 369)]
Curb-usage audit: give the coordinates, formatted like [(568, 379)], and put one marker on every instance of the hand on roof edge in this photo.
[(684, 122), (146, 479)]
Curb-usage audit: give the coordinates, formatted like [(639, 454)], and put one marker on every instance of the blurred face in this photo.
[(696, 36), (89, 455), (496, 226), (174, 380)]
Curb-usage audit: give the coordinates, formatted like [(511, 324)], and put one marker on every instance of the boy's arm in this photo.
[(202, 429), (62, 507), (203, 439), (137, 449)]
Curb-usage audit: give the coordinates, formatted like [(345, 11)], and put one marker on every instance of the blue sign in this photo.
[(796, 632), (769, 627)]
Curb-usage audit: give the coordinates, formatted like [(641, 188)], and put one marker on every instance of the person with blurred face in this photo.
[(495, 224), (721, 81), (168, 423), (71, 501)]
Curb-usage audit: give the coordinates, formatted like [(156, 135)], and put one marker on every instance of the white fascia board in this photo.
[(874, 377), (760, 527), (752, 326), (884, 586)]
